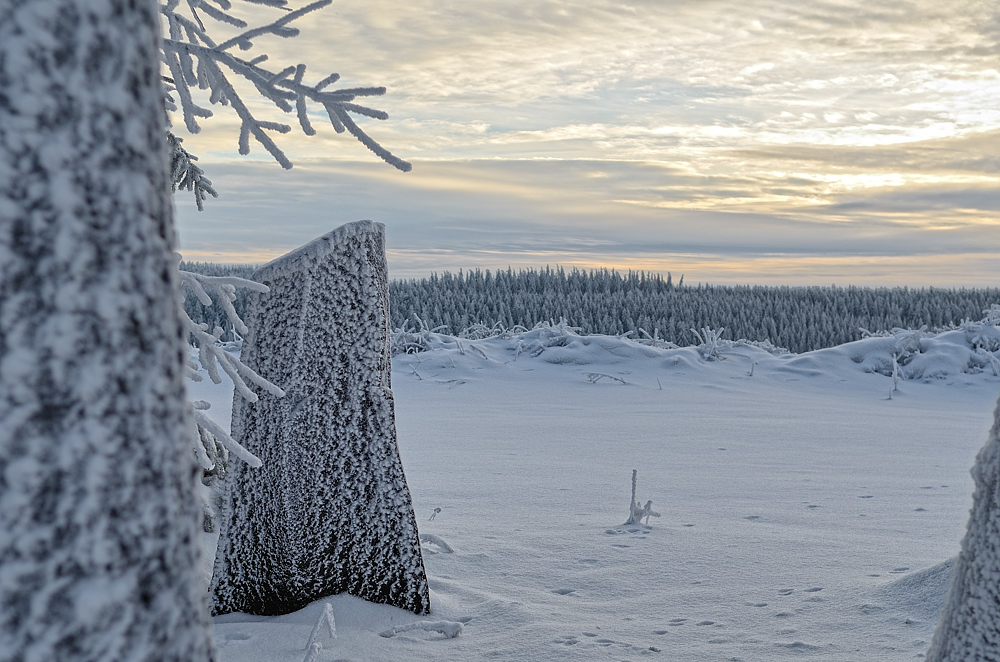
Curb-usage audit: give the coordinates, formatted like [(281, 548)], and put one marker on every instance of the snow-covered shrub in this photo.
[(710, 343), (984, 334), (329, 511), (655, 340)]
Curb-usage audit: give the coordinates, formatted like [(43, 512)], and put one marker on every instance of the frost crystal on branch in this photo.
[(221, 291), (195, 61)]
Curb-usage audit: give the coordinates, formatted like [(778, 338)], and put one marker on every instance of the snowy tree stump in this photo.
[(329, 511), (969, 628), (99, 517)]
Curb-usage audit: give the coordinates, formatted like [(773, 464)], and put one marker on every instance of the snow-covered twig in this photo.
[(432, 539), (325, 622), (710, 344), (637, 512), (312, 653), (220, 291), (594, 377), (195, 60), (185, 175)]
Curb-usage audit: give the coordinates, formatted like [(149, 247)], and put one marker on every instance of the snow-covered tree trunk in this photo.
[(329, 511), (969, 629), (98, 512)]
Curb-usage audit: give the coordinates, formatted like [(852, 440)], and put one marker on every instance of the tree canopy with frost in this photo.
[(195, 61)]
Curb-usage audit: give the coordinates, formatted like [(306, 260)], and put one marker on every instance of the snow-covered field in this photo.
[(804, 512)]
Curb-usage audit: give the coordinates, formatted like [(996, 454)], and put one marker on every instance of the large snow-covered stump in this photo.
[(969, 628), (329, 511), (99, 516)]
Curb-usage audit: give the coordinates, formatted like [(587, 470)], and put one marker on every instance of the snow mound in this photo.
[(919, 594), (900, 354)]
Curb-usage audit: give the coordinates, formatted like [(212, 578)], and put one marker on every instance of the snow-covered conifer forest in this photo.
[(612, 303)]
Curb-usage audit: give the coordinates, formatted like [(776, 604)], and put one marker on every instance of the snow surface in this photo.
[(804, 512)]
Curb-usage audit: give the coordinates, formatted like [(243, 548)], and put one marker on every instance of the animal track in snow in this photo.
[(237, 636)]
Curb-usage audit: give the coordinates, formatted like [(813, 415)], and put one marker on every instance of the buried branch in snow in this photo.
[(449, 629)]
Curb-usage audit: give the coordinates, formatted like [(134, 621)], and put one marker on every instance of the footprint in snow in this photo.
[(786, 591), (867, 496), (564, 591), (899, 570), (674, 622), (705, 623), (814, 589)]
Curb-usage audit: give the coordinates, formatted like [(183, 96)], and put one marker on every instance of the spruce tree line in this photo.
[(610, 302)]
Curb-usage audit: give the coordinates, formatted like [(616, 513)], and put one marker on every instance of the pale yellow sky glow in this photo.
[(817, 142)]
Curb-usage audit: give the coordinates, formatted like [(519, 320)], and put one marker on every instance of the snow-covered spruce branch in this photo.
[(195, 60), (212, 356), (185, 175)]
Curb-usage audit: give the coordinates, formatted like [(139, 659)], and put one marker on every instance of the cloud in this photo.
[(628, 131)]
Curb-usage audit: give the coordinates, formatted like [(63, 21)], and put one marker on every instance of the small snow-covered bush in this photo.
[(710, 343)]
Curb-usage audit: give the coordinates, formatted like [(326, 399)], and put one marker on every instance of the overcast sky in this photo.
[(805, 142)]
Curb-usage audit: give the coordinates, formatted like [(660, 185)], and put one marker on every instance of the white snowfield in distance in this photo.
[(804, 512)]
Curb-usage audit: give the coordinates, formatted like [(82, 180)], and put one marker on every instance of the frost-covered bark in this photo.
[(969, 629), (329, 511), (98, 513)]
